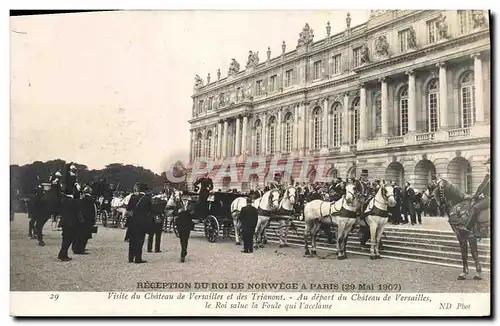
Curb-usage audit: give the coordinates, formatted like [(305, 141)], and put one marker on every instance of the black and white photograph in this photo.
[(250, 163)]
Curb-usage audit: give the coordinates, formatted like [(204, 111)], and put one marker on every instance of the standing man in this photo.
[(139, 222), (71, 186), (248, 217), (156, 227), (206, 186), (408, 206), (184, 224)]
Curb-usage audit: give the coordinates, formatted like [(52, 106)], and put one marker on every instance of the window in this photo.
[(210, 101), (355, 121), (336, 64), (288, 132), (465, 21), (208, 144), (468, 180), (433, 104), (334, 174), (259, 87), (316, 134), (272, 135), (289, 78), (432, 31), (317, 69), (403, 40), (272, 83), (336, 124), (197, 145), (258, 138), (403, 111), (378, 114), (238, 93), (467, 99), (357, 57), (200, 107)]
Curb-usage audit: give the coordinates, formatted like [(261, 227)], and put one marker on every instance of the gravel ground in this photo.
[(106, 268)]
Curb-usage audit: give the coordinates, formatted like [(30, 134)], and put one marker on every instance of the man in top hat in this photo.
[(184, 224), (139, 208), (482, 200), (248, 218), (206, 186)]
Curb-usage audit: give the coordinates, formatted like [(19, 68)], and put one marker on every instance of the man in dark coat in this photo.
[(408, 204), (206, 186), (87, 221), (184, 224), (248, 217), (71, 183), (395, 212), (139, 222), (70, 224), (482, 200), (156, 229)]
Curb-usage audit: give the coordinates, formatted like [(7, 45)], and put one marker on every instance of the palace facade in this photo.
[(405, 95)]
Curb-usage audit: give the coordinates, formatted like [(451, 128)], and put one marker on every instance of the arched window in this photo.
[(467, 99), (316, 132), (336, 124), (378, 114), (334, 174), (197, 145), (433, 105), (288, 134), (355, 121), (272, 135), (403, 111), (258, 138), (208, 144)]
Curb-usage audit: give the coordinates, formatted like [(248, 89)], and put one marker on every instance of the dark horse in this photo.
[(458, 207), (41, 207)]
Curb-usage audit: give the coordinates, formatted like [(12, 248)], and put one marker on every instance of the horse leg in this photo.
[(340, 237), (31, 226), (373, 231), (236, 224), (39, 231), (264, 233), (347, 230), (380, 229), (307, 231), (257, 233), (314, 235), (475, 256), (464, 252)]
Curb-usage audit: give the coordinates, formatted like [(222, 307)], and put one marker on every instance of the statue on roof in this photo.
[(306, 36), (234, 67), (253, 59), (198, 82)]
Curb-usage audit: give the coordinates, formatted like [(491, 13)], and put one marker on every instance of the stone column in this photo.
[(237, 138), (412, 110), (244, 141), (224, 141), (278, 133), (362, 113), (295, 132), (324, 127), (191, 147), (264, 134), (478, 87), (384, 108), (302, 144), (345, 124), (203, 141), (213, 154), (219, 140), (443, 96)]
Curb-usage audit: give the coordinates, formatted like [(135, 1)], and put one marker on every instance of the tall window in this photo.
[(210, 102), (378, 114), (272, 83), (288, 132), (208, 144), (468, 180), (200, 107), (403, 40), (355, 121), (433, 104), (258, 138), (197, 145), (465, 21), (336, 64), (216, 144), (336, 125), (432, 31), (357, 57), (467, 99), (238, 93), (403, 111), (259, 87), (316, 132), (317, 69), (289, 78), (272, 135)]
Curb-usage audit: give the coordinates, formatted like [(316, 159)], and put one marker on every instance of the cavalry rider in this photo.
[(205, 185), (481, 198), (72, 187)]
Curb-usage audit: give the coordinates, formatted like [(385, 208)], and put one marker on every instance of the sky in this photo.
[(115, 87)]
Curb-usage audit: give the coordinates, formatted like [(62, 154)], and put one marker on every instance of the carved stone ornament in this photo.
[(412, 38), (234, 67), (348, 20), (253, 59), (478, 19), (442, 27), (218, 74), (283, 47), (198, 82), (382, 46), (249, 92), (306, 36), (365, 55)]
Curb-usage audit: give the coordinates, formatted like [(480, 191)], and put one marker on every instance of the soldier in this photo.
[(184, 224), (138, 222), (482, 200)]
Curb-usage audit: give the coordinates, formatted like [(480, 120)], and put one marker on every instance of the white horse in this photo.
[(342, 213), (119, 208), (377, 216), (287, 208), (174, 201), (267, 204), (236, 207)]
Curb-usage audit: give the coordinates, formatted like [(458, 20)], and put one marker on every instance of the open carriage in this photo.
[(215, 215)]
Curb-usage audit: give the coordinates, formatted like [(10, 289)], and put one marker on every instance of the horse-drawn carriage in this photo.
[(214, 214)]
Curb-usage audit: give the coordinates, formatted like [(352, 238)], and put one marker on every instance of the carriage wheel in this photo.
[(211, 226)]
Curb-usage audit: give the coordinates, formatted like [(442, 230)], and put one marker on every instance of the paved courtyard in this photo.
[(106, 268)]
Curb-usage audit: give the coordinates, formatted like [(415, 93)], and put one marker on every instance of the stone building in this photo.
[(405, 95)]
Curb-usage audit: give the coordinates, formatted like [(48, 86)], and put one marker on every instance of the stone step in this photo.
[(438, 242)]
